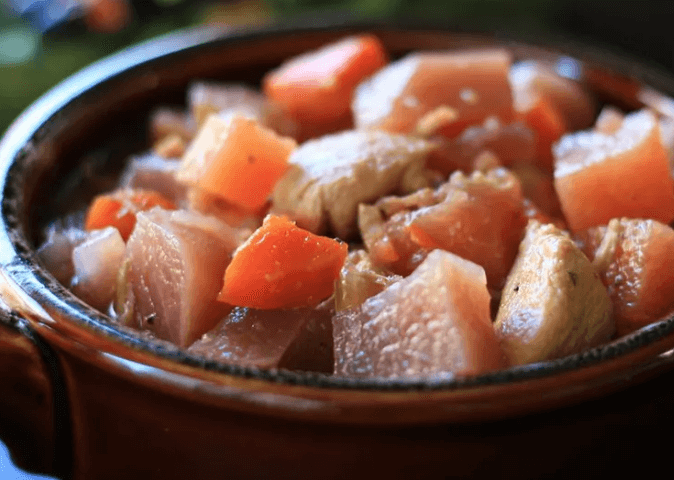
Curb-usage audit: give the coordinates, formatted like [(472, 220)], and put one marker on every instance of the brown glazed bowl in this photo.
[(84, 398)]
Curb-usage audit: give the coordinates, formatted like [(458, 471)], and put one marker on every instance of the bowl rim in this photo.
[(19, 263)]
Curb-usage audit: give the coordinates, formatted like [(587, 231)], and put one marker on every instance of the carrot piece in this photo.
[(283, 266), (318, 86), (103, 213), (238, 160), (146, 199), (118, 209)]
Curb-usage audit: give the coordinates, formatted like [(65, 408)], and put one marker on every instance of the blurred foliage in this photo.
[(522, 12), (69, 48)]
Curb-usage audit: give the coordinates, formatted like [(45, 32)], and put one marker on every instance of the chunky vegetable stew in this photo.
[(445, 212)]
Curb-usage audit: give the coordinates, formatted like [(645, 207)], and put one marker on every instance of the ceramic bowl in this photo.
[(85, 398)]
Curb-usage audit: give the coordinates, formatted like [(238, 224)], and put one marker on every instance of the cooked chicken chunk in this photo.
[(330, 176), (553, 303)]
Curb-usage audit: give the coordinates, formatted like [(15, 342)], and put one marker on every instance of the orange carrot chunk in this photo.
[(118, 209), (236, 159), (283, 266), (318, 86)]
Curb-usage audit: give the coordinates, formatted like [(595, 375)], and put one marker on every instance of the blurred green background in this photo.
[(35, 55)]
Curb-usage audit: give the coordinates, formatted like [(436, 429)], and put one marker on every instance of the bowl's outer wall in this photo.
[(129, 421), (26, 404)]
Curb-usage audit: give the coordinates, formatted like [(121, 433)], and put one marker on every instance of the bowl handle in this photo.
[(33, 409)]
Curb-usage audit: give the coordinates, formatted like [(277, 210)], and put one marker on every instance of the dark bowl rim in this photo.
[(33, 124)]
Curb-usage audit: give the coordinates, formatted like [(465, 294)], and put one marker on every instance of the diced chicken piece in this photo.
[(480, 218), (330, 176), (316, 88), (622, 175), (119, 208), (635, 260), (360, 280), (96, 263), (283, 266), (435, 321), (165, 122), (553, 303), (531, 79), (388, 240), (237, 159), (225, 99), (472, 84), (293, 339), (152, 172), (424, 197), (513, 143), (55, 253), (177, 261)]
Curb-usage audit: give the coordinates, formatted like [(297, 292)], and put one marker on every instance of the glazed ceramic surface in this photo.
[(95, 400)]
